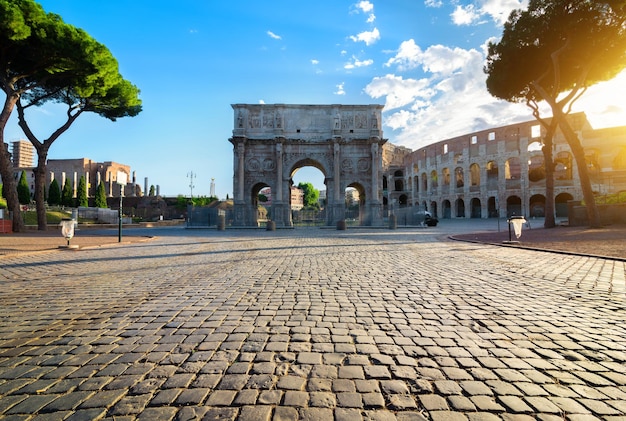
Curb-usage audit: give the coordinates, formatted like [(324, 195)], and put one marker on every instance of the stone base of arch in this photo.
[(245, 215)]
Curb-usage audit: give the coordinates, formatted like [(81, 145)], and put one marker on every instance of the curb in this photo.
[(523, 247)]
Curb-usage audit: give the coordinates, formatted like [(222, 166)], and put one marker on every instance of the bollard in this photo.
[(393, 222), (341, 225), (271, 226), (221, 222)]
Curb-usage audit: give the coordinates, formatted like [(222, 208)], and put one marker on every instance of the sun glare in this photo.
[(605, 103)]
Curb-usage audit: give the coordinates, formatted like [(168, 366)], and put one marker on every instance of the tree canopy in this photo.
[(67, 194), (311, 195), (553, 51), (101, 196), (43, 59), (81, 192), (54, 193), (556, 46), (23, 191)]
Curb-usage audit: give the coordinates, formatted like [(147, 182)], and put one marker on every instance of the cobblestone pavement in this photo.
[(312, 325)]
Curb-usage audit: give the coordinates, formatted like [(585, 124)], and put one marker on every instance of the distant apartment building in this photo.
[(22, 154), (23, 160)]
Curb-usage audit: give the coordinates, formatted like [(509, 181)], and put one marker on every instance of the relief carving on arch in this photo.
[(253, 165), (346, 166), (268, 120), (363, 165), (268, 164)]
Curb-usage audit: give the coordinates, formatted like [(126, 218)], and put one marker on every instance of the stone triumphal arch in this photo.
[(272, 141)]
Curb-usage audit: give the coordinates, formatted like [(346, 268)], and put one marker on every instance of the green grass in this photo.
[(53, 217)]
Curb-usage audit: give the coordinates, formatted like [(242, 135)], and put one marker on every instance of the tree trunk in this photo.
[(6, 167), (548, 159), (583, 174), (40, 186)]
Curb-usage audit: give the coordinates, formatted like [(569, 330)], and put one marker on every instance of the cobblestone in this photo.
[(311, 325)]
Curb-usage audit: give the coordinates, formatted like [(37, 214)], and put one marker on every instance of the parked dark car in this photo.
[(427, 218)]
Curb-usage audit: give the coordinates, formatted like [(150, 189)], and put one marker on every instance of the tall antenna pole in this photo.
[(191, 176)]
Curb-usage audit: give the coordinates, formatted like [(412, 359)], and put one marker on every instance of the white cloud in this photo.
[(273, 35), (371, 18), (398, 91), (261, 101), (314, 61), (357, 63), (435, 59), (368, 37), (497, 10), (445, 60), (365, 6), (450, 100), (433, 3), (465, 15), (340, 90), (407, 56)]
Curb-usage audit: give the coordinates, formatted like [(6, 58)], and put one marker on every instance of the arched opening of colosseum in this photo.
[(475, 207), (433, 181), (460, 177), (492, 207), (460, 208), (593, 164), (447, 209), (474, 177), (513, 206), (433, 208), (535, 146), (513, 173), (398, 180), (563, 166), (492, 175), (537, 206), (560, 204), (446, 177), (424, 182), (403, 200), (619, 162), (536, 169)]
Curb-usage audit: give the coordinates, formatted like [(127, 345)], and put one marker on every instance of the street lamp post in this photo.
[(122, 179)]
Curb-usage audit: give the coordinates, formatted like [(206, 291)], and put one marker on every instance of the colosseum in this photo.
[(500, 171)]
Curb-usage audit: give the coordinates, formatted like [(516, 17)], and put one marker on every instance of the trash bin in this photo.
[(270, 226), (67, 229), (517, 222)]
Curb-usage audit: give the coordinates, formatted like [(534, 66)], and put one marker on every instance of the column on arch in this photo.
[(375, 161), (279, 172), (240, 155)]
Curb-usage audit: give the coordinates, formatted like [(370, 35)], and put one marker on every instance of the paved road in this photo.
[(311, 324)]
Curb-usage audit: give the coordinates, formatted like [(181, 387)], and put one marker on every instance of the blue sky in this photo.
[(422, 59)]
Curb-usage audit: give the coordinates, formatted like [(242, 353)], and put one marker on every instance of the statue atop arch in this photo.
[(272, 141)]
